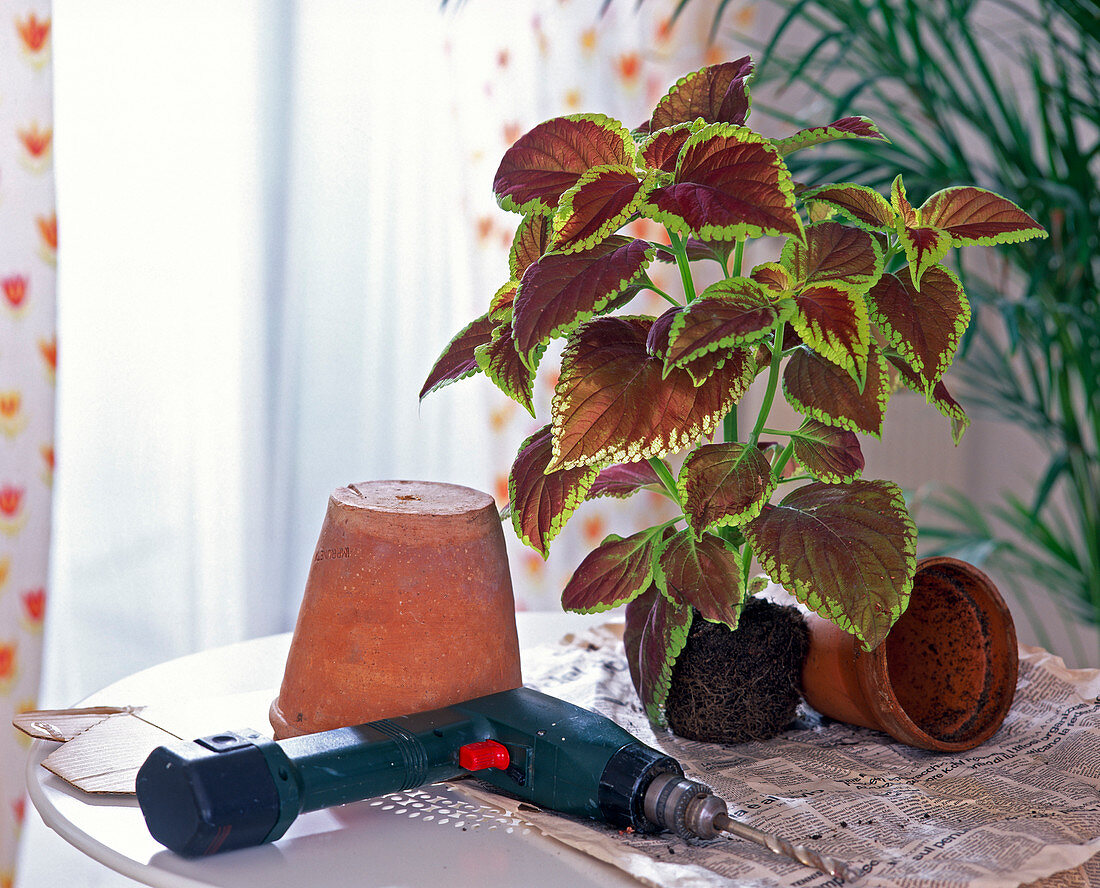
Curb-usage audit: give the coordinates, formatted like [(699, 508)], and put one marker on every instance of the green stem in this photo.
[(781, 461), (769, 392), (746, 563), (738, 257), (652, 286), (729, 422), (682, 263), (667, 480)]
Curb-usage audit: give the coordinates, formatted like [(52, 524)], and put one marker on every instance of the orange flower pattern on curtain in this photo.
[(563, 57), (28, 361)]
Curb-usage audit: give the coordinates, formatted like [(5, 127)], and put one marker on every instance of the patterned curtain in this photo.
[(28, 359)]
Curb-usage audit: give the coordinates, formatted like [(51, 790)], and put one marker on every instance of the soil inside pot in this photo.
[(735, 686)]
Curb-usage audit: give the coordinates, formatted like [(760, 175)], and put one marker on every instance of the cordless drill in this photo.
[(237, 789)]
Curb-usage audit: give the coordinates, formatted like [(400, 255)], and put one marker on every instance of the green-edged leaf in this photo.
[(542, 503), (973, 215), (612, 404), (847, 551), (730, 183), (723, 484), (737, 361), (845, 128), (863, 205), (715, 251), (773, 276), (939, 396), (563, 290), (663, 638), (613, 573), (716, 93), (832, 319), (903, 210), (820, 389), (829, 454), (512, 374), (624, 479), (531, 241), (547, 161), (925, 327), (661, 151), (596, 207), (458, 360), (731, 312), (702, 573), (834, 254), (500, 308), (924, 248)]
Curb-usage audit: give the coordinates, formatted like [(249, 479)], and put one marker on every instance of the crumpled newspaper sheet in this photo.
[(1022, 808)]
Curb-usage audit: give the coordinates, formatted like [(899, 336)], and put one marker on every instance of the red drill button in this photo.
[(483, 754)]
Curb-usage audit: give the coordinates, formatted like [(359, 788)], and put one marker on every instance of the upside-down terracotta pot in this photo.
[(408, 607), (944, 678)]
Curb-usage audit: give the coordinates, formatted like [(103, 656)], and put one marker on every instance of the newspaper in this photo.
[(1019, 809)]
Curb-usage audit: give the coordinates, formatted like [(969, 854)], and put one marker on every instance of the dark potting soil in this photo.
[(732, 686)]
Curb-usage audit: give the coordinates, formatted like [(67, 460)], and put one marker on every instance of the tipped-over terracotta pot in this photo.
[(408, 607), (945, 676)]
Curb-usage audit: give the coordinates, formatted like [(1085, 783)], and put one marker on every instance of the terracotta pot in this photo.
[(408, 606), (945, 676)]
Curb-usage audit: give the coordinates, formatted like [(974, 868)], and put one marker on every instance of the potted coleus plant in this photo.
[(855, 302)]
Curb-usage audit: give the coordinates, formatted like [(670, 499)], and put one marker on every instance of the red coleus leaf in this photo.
[(723, 484), (847, 551), (730, 183), (703, 573), (924, 248), (939, 396), (715, 251), (531, 241), (864, 206), (834, 254), (661, 151), (550, 159), (904, 214), (717, 93), (705, 363), (596, 207), (845, 128), (613, 404), (541, 503), (563, 290), (973, 215), (829, 454), (624, 479), (925, 327), (662, 639), (820, 389), (613, 573), (773, 276), (731, 312), (500, 308), (512, 374), (458, 359), (832, 319)]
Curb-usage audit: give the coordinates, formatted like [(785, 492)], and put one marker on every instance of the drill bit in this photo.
[(782, 847)]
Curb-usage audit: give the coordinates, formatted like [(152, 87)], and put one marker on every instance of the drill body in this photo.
[(238, 789)]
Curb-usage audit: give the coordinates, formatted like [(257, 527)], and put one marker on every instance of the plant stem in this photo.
[(781, 461), (667, 480), (729, 422), (682, 263), (773, 382)]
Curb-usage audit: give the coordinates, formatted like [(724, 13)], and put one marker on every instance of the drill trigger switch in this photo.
[(484, 754)]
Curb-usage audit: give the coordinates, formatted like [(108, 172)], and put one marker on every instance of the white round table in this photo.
[(428, 837)]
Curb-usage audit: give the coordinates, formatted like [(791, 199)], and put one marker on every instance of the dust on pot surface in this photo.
[(945, 677)]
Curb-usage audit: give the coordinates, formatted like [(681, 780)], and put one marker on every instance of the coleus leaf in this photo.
[(500, 307), (820, 389), (624, 479), (458, 359), (596, 207), (716, 93), (613, 404), (972, 215), (512, 373), (730, 183), (832, 319), (723, 484), (706, 363), (531, 241), (716, 251), (829, 454), (939, 397), (549, 160), (613, 573), (661, 151), (703, 573), (845, 128), (864, 206), (663, 638), (542, 502), (847, 551), (925, 327), (730, 312), (834, 254), (924, 248), (562, 290), (773, 276)]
